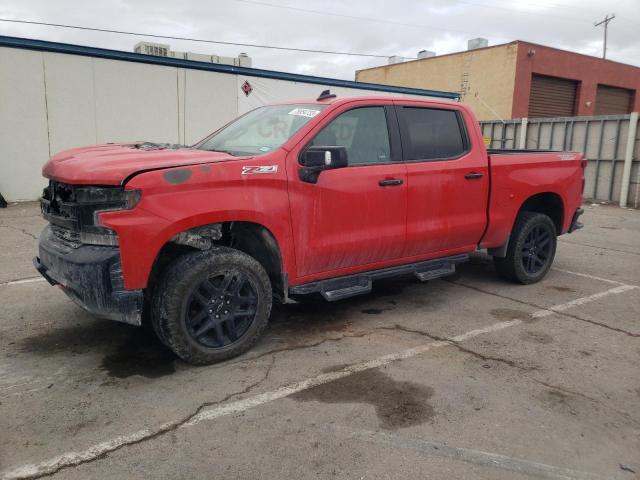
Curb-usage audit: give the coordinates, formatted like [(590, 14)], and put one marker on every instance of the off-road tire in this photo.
[(512, 266), (171, 300)]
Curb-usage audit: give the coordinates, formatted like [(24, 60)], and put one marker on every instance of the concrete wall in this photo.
[(603, 140), (485, 77), (54, 101)]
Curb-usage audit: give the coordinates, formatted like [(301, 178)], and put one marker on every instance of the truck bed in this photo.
[(510, 151), (516, 175)]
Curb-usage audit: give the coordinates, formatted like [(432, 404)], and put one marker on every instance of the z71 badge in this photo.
[(246, 170)]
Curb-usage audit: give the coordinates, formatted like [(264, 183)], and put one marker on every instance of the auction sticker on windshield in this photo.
[(304, 112)]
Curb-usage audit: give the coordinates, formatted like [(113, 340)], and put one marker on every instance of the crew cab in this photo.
[(309, 197)]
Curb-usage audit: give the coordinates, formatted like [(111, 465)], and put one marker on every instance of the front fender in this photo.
[(214, 194)]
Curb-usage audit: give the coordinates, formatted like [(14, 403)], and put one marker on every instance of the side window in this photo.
[(430, 134), (362, 131)]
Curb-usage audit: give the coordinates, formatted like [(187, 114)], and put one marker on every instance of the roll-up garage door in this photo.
[(613, 100), (552, 97)]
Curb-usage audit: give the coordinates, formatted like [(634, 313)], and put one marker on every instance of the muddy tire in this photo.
[(211, 305), (532, 247)]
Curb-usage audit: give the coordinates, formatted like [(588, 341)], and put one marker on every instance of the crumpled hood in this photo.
[(112, 163)]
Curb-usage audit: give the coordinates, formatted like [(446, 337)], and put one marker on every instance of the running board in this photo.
[(360, 283)]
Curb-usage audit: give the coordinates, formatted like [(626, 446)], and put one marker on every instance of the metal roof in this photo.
[(56, 47)]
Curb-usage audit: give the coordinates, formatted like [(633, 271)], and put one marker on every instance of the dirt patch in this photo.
[(372, 311), (397, 404), (312, 315), (176, 177), (559, 400), (536, 337), (141, 354), (77, 339), (507, 314), (127, 350)]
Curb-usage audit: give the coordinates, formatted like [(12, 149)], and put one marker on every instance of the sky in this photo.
[(399, 27)]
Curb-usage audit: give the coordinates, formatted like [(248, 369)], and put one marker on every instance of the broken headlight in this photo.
[(76, 208), (104, 199)]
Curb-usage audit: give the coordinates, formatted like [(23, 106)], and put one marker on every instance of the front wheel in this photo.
[(532, 247), (212, 305)]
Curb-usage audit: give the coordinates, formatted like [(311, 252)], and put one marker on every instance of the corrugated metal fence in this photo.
[(603, 139)]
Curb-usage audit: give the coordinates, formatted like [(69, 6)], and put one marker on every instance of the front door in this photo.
[(353, 216)]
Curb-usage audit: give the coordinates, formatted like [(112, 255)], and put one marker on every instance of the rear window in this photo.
[(431, 134)]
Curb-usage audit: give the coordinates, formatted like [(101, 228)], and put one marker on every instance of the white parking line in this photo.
[(592, 277), (478, 457), (70, 459), (24, 280), (581, 301)]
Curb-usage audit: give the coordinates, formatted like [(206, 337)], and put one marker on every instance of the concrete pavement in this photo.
[(464, 377)]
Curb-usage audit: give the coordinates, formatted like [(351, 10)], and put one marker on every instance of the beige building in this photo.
[(484, 77), (519, 79)]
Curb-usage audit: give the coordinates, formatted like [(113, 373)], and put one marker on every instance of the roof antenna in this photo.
[(325, 95)]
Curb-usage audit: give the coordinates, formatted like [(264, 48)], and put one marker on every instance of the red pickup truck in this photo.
[(320, 196)]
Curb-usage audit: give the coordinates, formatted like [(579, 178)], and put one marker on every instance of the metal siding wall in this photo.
[(135, 102), (93, 100), (210, 102), (24, 139), (70, 101), (269, 90), (602, 139)]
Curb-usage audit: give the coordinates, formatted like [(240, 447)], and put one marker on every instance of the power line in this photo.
[(352, 17), (414, 25), (168, 37)]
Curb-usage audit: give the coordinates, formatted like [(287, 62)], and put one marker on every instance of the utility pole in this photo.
[(605, 22)]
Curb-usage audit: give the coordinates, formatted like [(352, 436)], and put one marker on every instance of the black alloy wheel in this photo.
[(212, 305), (531, 249), (536, 249), (221, 309)]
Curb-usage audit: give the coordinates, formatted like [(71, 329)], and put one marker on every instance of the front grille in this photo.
[(59, 205), (66, 236)]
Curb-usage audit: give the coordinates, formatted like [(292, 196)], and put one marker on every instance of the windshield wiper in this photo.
[(221, 151)]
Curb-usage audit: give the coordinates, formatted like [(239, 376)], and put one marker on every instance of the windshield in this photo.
[(261, 130)]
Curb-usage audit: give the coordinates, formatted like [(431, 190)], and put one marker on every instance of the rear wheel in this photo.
[(212, 305), (532, 247)]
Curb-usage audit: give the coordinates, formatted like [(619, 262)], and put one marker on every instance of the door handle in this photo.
[(473, 176), (390, 182)]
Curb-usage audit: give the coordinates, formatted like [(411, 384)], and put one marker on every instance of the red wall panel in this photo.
[(588, 71)]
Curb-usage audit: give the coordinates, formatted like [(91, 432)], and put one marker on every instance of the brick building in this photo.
[(521, 79)]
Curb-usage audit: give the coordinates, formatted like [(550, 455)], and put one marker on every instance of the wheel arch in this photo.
[(252, 238), (548, 203)]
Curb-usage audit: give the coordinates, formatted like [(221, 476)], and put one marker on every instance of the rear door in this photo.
[(353, 217), (448, 181)]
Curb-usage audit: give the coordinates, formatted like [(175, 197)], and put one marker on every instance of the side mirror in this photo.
[(317, 158)]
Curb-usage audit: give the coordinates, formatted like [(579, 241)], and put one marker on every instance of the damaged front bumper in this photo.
[(91, 276)]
